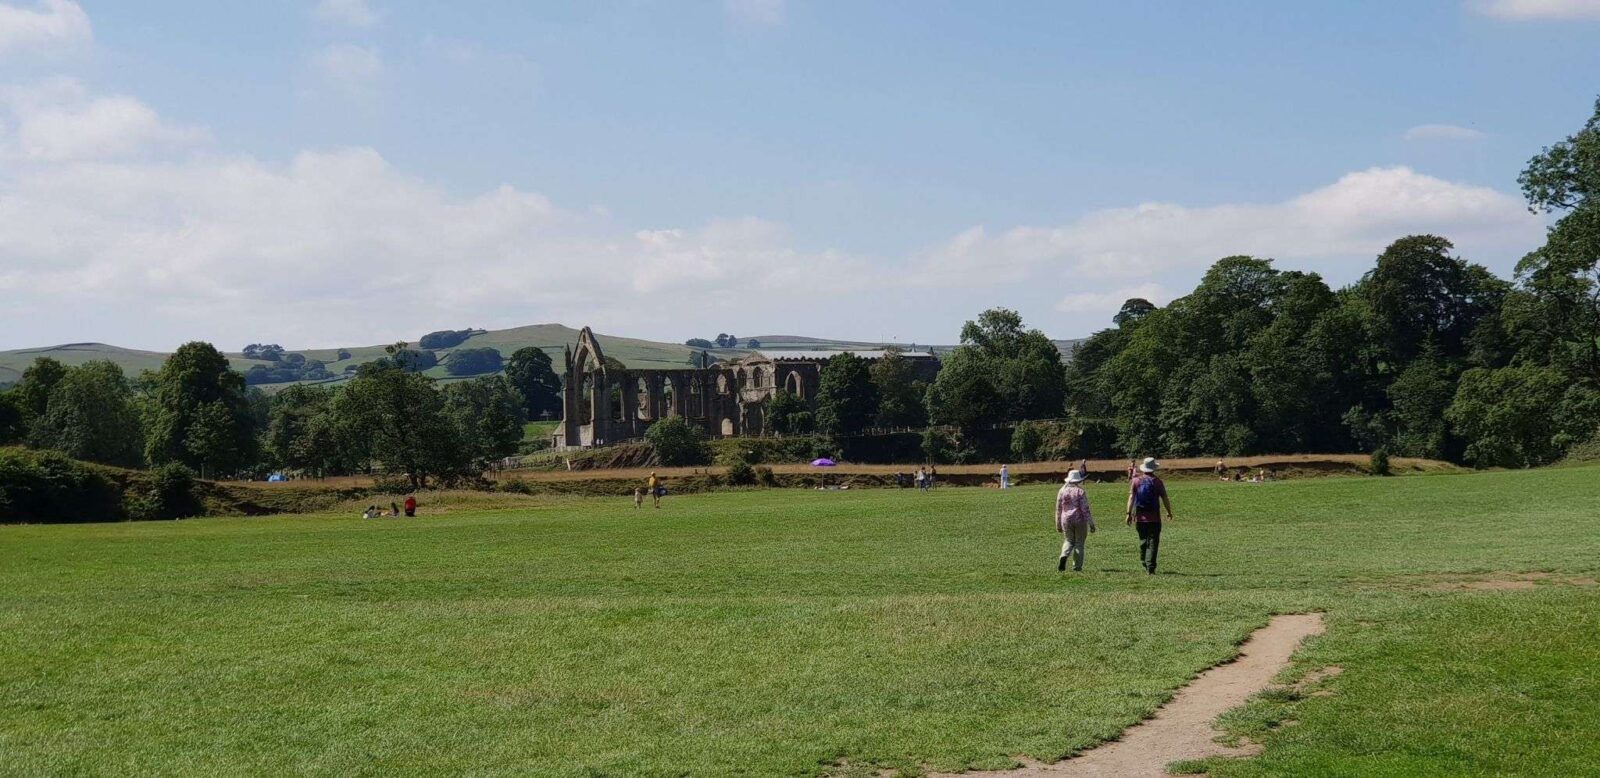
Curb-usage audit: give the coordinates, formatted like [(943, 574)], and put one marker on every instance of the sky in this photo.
[(337, 172)]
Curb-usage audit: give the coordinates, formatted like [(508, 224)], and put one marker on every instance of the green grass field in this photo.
[(799, 633)]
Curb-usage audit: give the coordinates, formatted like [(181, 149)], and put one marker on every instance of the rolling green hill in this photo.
[(632, 352), (550, 337)]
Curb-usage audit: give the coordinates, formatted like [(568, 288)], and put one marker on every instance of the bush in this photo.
[(742, 474), (1380, 461), (1026, 439), (765, 477), (444, 339), (473, 361), (676, 443), (45, 486), (167, 494)]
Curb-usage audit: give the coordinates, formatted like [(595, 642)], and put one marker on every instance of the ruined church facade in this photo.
[(605, 404)]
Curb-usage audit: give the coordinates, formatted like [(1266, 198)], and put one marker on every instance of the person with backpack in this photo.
[(1146, 496), (1073, 520)]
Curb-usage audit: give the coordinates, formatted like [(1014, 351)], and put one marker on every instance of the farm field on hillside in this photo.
[(791, 632)]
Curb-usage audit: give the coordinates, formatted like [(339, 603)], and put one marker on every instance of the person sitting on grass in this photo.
[(1073, 520), (371, 512), (394, 509), (1146, 495), (411, 505)]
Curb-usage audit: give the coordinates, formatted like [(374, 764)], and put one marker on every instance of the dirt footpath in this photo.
[(1181, 729)]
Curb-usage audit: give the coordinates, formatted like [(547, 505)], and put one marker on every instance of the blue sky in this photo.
[(319, 172)]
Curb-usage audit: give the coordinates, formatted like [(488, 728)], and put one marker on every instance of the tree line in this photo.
[(1427, 355), (197, 412)]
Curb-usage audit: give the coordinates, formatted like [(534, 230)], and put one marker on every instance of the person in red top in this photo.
[(411, 505), (1146, 496)]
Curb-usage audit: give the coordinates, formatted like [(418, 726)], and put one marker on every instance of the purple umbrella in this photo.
[(823, 462)]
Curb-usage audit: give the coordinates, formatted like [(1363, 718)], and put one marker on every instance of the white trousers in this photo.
[(1072, 545)]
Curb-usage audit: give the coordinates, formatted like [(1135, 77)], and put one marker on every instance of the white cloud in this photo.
[(50, 23), (1102, 304), (354, 13), (1351, 219), (348, 66), (1444, 132), (59, 121), (1537, 10), (760, 13), (338, 246)]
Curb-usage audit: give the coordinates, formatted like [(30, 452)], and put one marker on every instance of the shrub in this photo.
[(1380, 461), (473, 361), (444, 339), (1026, 439), (167, 494), (765, 477), (46, 486), (742, 474), (676, 443)]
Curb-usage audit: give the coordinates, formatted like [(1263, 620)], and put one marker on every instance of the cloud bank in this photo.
[(50, 23), (1539, 10)]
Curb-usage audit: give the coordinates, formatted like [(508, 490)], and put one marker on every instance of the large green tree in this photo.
[(787, 414), (196, 394), (90, 415), (400, 416), (1562, 277), (900, 394), (1419, 294), (38, 381), (846, 396), (1000, 372), (487, 413), (534, 377)]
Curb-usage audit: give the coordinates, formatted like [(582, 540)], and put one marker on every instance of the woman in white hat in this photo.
[(1146, 495), (1073, 520)]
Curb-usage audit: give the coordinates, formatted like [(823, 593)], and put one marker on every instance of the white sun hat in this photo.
[(1149, 465), (1075, 477)]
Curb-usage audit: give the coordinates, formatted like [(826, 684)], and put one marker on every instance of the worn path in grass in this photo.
[(1182, 729)]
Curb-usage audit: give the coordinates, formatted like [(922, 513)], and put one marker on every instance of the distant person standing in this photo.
[(1073, 520), (1146, 496), (656, 488), (411, 505), (1133, 471), (1220, 470), (1005, 477), (933, 476), (922, 479)]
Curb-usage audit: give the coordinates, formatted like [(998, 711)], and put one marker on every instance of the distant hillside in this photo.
[(338, 362), (801, 342)]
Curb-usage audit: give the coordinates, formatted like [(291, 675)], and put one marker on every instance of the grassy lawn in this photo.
[(790, 632)]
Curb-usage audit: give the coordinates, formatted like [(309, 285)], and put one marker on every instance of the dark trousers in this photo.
[(1149, 543)]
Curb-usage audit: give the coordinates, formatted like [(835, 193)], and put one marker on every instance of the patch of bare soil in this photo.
[(1508, 582), (1181, 730)]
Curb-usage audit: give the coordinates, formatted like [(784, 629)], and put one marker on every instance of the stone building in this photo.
[(609, 404)]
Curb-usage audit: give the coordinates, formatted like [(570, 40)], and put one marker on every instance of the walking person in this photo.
[(1146, 496), (1073, 520), (656, 488)]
